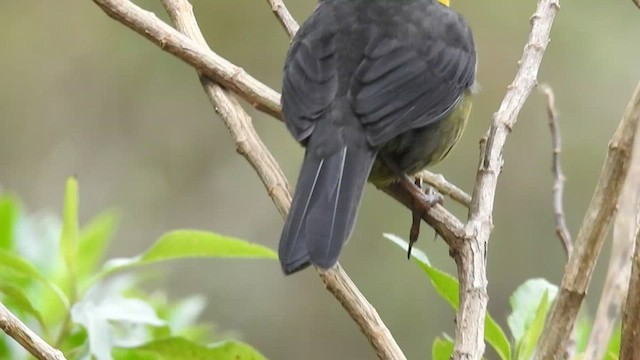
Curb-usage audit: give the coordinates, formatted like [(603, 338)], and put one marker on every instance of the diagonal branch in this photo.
[(630, 341), (190, 51), (253, 149), (15, 328), (591, 236), (616, 284), (282, 14), (444, 187)]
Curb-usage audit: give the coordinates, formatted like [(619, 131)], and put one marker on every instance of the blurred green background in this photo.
[(82, 95)]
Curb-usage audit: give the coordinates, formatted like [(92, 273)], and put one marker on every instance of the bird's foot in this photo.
[(428, 199)]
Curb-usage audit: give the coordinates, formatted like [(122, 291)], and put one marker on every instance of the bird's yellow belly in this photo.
[(416, 149)]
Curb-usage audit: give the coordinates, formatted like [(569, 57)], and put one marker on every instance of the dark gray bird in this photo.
[(374, 89)]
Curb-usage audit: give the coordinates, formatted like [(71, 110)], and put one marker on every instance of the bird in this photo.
[(373, 90)]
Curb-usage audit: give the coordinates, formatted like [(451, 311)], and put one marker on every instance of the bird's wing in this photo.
[(401, 85), (310, 75)]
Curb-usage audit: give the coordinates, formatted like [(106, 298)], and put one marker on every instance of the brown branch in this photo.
[(200, 57), (282, 14), (558, 185), (630, 341), (253, 149), (471, 257), (29, 340), (591, 236), (444, 187), (620, 262), (617, 280), (637, 2)]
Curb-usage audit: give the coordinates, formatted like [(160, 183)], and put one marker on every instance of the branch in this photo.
[(253, 149), (617, 281), (630, 340), (27, 338), (591, 235), (471, 257), (558, 185), (637, 2), (200, 57), (444, 187), (282, 14)]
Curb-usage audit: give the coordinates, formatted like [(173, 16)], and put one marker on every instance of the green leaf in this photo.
[(182, 244), (13, 264), (525, 302), (94, 240), (19, 299), (448, 288), (190, 244), (532, 333), (69, 237), (9, 212), (180, 348), (442, 349)]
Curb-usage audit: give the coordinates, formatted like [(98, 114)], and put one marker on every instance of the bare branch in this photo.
[(637, 2), (282, 13), (558, 185), (253, 149), (200, 57), (29, 340), (471, 256), (591, 236), (444, 187), (630, 341), (617, 280)]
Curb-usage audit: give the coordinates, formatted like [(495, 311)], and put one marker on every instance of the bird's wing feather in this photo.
[(310, 76), (401, 85)]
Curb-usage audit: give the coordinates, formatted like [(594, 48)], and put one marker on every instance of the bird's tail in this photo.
[(324, 208)]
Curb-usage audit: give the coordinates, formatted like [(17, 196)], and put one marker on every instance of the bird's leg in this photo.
[(416, 219), (423, 201), (421, 204)]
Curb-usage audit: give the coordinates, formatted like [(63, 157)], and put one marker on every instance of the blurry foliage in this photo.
[(51, 277)]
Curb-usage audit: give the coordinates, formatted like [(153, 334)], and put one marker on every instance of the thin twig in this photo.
[(29, 340), (444, 187), (558, 185), (200, 57), (250, 146), (617, 280), (282, 14), (591, 236), (471, 257), (637, 2)]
